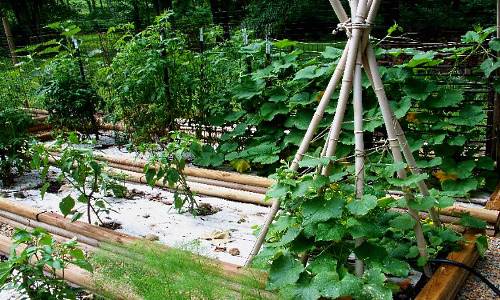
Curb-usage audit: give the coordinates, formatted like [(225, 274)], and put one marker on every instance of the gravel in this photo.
[(489, 266)]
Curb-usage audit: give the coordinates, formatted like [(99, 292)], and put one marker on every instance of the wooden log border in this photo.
[(447, 280)]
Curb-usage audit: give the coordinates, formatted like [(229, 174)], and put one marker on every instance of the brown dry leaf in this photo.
[(412, 117), (217, 235), (443, 176)]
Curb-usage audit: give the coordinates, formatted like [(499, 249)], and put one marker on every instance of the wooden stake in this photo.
[(10, 40)]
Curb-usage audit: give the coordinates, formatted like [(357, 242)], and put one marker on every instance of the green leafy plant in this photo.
[(271, 107), (37, 262), (168, 165), (83, 172), (14, 143), (149, 76), (68, 96), (309, 245), (156, 81)]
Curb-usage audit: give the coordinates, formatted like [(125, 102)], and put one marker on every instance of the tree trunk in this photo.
[(136, 15)]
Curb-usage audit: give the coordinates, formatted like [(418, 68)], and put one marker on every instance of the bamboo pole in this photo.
[(320, 110), (57, 237), (378, 88), (10, 40), (197, 172), (200, 188), (51, 228), (405, 147), (354, 46), (190, 179), (204, 189), (359, 147)]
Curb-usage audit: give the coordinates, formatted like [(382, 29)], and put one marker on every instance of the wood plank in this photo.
[(447, 280), (494, 202)]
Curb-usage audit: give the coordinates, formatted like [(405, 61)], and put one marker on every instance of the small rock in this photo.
[(220, 249), (152, 237), (234, 251), (19, 195), (145, 216)]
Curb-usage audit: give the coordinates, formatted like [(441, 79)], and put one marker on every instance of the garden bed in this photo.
[(444, 284), (226, 234)]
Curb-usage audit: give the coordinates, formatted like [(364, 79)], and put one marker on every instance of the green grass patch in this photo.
[(151, 271)]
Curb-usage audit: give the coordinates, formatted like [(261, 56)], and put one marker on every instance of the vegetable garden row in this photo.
[(363, 207)]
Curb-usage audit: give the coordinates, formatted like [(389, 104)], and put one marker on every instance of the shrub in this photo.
[(71, 100), (168, 166), (14, 140)]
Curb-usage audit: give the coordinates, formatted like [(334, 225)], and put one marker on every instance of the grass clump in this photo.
[(150, 271)]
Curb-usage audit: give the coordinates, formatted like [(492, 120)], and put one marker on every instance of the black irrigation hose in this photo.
[(466, 267)]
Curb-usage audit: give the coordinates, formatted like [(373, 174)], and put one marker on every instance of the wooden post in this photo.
[(496, 110), (10, 40)]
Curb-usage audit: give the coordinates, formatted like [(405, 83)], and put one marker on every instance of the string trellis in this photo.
[(358, 56)]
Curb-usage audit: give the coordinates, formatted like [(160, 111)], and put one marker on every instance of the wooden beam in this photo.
[(448, 280)]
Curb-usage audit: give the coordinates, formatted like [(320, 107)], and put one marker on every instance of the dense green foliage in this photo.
[(70, 100), (252, 103), (275, 103), (67, 95), (171, 274), (83, 172), (35, 260), (14, 142), (155, 79), (308, 247)]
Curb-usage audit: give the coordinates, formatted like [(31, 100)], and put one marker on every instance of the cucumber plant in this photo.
[(310, 245)]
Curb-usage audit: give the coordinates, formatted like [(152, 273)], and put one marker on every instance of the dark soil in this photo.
[(54, 186), (111, 225), (205, 209)]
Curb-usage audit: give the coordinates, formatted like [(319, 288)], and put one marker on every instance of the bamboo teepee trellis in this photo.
[(357, 55)]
